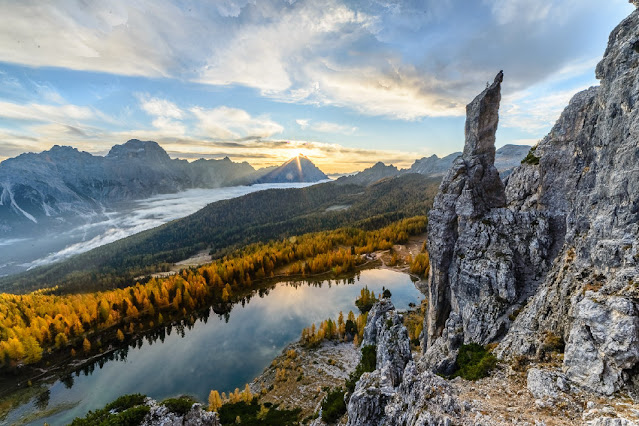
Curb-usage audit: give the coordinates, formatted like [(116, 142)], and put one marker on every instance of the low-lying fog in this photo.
[(20, 254)]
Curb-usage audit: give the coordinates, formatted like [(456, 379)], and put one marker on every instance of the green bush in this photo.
[(531, 158), (179, 406), (127, 410), (125, 402), (248, 414), (474, 362), (132, 416), (333, 406), (366, 365)]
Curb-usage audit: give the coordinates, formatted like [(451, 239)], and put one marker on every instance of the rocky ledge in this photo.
[(403, 390)]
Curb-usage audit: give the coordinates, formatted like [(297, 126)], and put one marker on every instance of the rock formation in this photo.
[(485, 258), (396, 393), (160, 415), (559, 241)]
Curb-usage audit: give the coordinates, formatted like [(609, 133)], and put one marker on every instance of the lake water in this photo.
[(20, 254), (214, 354)]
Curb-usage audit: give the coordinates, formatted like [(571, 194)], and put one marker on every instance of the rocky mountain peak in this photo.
[(135, 148), (482, 116)]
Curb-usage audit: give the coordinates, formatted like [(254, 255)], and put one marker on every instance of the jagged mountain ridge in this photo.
[(506, 159), (64, 183)]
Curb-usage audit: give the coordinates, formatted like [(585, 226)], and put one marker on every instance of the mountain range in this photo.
[(506, 159), (64, 183)]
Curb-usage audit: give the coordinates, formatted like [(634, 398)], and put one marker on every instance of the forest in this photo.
[(43, 321), (224, 226)]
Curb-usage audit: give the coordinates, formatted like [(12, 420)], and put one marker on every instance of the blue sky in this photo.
[(347, 83)]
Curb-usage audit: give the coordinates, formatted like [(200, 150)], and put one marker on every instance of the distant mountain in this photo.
[(371, 175), (506, 159), (64, 184), (297, 169)]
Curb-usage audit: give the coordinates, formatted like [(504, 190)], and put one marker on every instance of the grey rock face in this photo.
[(485, 258), (384, 328), (560, 240), (603, 345), (587, 182), (375, 321), (545, 384), (397, 393)]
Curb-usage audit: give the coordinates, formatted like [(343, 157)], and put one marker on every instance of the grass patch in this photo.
[(366, 364), (333, 406), (474, 362)]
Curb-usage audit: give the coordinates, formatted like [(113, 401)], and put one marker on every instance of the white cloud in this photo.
[(43, 112), (534, 113), (233, 123), (159, 107), (167, 115), (326, 127)]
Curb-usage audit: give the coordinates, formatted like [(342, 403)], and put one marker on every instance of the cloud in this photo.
[(167, 115), (326, 127), (159, 107), (233, 123), (398, 59), (535, 113), (43, 112)]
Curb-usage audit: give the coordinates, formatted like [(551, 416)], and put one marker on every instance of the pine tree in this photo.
[(215, 401)]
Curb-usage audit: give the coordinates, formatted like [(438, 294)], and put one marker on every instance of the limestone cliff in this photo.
[(485, 258), (560, 240)]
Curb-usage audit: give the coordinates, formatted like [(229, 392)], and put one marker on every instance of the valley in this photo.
[(122, 220)]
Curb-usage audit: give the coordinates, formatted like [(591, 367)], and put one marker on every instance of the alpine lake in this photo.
[(211, 351)]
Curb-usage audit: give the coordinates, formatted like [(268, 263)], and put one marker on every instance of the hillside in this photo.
[(223, 225)]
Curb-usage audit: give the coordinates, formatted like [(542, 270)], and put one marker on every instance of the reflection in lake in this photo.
[(212, 351)]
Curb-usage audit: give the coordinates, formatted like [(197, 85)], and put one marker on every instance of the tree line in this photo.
[(42, 322)]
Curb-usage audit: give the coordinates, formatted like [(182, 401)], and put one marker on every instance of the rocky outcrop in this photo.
[(384, 329), (587, 180), (485, 259), (397, 393), (160, 415), (560, 240)]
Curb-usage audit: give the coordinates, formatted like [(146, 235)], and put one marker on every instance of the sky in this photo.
[(346, 83)]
